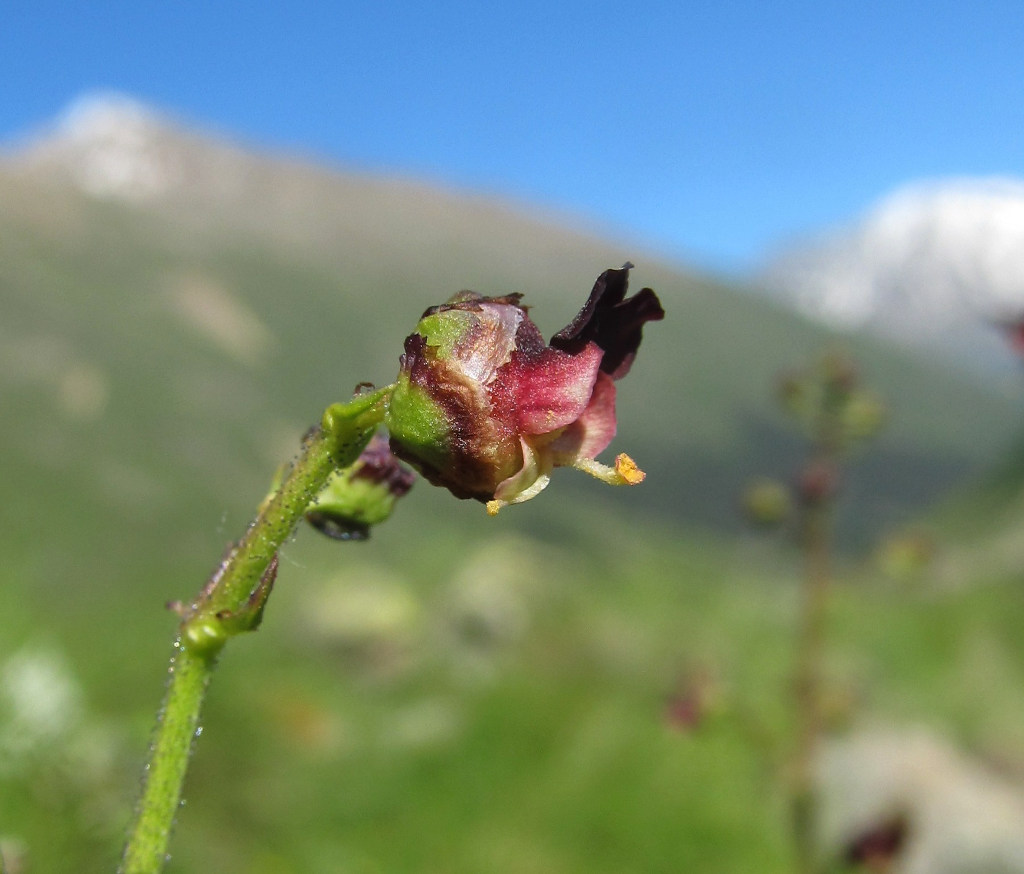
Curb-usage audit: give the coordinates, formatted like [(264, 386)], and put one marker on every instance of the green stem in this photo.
[(189, 677), (230, 602)]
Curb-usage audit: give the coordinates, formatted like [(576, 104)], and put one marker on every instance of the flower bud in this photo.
[(838, 374), (792, 394), (906, 556), (817, 483), (767, 502), (358, 497), (485, 408), (862, 416)]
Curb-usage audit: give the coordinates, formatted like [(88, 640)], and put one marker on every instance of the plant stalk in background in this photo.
[(816, 536), (836, 415)]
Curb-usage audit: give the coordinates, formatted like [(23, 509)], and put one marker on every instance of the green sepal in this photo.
[(418, 423), (443, 330)]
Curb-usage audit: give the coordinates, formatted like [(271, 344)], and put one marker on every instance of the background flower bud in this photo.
[(862, 416), (767, 502), (817, 483)]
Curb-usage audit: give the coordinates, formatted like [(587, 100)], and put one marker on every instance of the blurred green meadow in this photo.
[(596, 681)]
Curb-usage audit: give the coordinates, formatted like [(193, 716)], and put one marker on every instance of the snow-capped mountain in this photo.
[(111, 146), (938, 264), (114, 147)]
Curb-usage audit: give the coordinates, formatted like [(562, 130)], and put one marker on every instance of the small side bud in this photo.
[(361, 496)]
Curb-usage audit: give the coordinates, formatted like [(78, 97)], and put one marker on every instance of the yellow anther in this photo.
[(626, 468), (625, 472)]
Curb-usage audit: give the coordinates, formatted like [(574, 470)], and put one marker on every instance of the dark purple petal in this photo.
[(611, 320)]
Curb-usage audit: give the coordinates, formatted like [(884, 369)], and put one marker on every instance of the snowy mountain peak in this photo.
[(933, 263), (106, 116), (112, 146)]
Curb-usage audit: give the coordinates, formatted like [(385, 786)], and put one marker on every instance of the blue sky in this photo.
[(712, 130)]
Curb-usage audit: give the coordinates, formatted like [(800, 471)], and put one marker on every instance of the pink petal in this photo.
[(552, 389), (591, 433)]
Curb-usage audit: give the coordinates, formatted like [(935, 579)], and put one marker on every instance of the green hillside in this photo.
[(461, 693)]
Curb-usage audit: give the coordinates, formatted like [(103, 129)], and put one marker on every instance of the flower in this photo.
[(486, 409), (358, 497)]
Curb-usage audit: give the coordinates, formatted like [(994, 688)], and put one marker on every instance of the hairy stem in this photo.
[(232, 601), (189, 676)]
